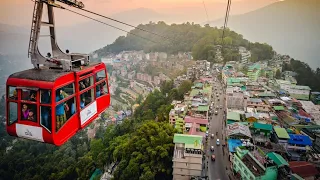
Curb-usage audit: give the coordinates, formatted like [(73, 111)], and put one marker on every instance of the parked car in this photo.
[(216, 112), (212, 136)]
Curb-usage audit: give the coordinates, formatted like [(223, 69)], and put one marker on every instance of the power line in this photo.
[(110, 25), (125, 23), (204, 5)]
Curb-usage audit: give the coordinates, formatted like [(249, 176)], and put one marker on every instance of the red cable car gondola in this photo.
[(50, 103)]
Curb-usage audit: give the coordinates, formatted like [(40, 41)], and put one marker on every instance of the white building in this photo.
[(245, 55)]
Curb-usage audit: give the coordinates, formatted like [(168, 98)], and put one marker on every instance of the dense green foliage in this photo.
[(141, 147), (35, 160), (188, 37), (306, 75)]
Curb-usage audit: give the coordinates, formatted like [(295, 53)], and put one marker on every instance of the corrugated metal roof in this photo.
[(278, 159), (190, 141), (267, 127), (282, 133), (233, 116)]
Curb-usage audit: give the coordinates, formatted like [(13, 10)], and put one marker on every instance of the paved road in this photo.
[(217, 168)]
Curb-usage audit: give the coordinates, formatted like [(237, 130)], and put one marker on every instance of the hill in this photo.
[(291, 27)]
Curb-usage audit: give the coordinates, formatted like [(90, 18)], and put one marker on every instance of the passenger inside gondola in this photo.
[(24, 112), (60, 113), (33, 96)]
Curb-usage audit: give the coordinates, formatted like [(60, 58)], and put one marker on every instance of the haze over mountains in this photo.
[(292, 27)]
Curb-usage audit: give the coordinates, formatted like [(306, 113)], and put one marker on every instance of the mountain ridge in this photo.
[(290, 26)]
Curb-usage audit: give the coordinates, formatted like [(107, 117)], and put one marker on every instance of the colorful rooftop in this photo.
[(233, 116), (299, 140), (278, 159), (190, 141), (267, 127), (281, 133)]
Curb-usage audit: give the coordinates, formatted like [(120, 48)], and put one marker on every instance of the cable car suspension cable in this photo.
[(226, 20), (125, 24), (110, 25)]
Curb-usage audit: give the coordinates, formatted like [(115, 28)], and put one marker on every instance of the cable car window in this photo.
[(85, 83), (45, 117), (100, 75), (45, 96), (29, 112), (29, 95), (101, 89), (86, 98), (64, 92), (13, 112), (12, 93), (64, 111)]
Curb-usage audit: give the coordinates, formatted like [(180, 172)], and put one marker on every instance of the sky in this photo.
[(19, 12)]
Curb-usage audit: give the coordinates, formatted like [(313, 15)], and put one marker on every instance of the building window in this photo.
[(13, 112)]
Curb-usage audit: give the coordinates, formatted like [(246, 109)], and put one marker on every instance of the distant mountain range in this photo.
[(292, 27)]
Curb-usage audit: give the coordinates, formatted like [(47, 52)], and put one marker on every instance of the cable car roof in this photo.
[(39, 74), (45, 74)]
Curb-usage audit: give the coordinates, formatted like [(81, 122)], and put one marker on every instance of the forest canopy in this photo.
[(187, 37)]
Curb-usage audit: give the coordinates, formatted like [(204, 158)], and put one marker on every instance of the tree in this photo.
[(147, 154), (184, 87), (278, 74)]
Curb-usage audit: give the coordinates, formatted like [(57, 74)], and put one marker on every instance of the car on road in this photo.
[(212, 136), (212, 148), (213, 157), (216, 112), (218, 142)]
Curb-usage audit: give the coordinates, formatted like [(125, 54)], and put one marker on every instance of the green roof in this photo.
[(266, 95), (233, 116), (199, 85), (278, 108), (282, 133), (194, 92), (278, 159), (190, 141), (267, 127), (301, 87), (203, 108)]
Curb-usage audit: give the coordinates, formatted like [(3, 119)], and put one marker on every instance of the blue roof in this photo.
[(233, 144), (299, 140)]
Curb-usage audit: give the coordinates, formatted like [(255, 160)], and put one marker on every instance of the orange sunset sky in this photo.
[(18, 12)]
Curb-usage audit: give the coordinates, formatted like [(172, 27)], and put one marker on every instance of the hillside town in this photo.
[(246, 120)]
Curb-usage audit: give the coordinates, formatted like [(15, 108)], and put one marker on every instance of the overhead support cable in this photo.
[(112, 19), (109, 25), (204, 5)]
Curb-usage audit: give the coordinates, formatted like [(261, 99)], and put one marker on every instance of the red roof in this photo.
[(303, 113), (303, 169), (189, 119)]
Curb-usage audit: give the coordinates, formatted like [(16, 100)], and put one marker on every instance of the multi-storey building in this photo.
[(187, 157)]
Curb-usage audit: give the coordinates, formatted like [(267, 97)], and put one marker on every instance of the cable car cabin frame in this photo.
[(90, 101)]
